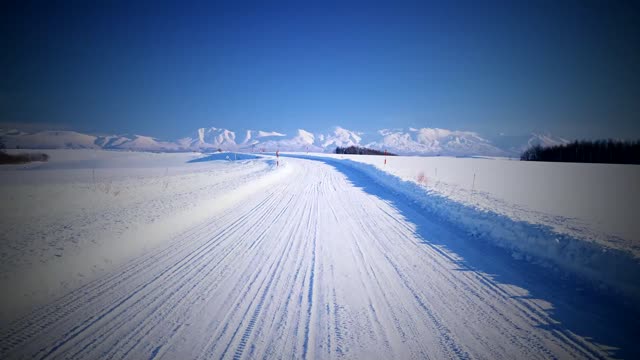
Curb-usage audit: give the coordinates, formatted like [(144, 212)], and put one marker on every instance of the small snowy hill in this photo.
[(48, 140), (143, 143), (111, 141)]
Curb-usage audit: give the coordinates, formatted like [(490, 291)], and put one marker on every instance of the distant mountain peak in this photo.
[(262, 134), (414, 141), (545, 140), (434, 141), (340, 137)]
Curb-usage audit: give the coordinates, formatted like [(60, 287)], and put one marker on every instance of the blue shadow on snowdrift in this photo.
[(225, 156), (482, 240)]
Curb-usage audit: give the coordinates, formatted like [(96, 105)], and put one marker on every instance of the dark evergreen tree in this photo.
[(598, 151), (356, 150)]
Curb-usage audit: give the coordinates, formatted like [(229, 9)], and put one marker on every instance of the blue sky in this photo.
[(571, 68)]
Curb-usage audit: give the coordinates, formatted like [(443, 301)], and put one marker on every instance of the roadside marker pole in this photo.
[(385, 156), (473, 186), (277, 158)]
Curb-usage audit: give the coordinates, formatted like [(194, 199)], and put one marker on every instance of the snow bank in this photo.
[(605, 266)]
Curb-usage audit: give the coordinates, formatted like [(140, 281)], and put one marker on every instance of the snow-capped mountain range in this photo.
[(423, 141)]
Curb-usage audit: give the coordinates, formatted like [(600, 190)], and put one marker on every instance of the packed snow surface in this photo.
[(314, 258)]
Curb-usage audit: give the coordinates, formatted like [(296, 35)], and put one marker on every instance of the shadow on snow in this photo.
[(576, 306)]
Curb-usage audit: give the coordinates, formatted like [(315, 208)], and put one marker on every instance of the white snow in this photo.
[(210, 138), (111, 141), (319, 257), (253, 137), (578, 217), (303, 141), (142, 143), (340, 137), (434, 141), (597, 201), (305, 137), (262, 134), (82, 213)]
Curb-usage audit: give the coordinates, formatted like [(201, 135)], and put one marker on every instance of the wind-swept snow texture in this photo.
[(325, 263)]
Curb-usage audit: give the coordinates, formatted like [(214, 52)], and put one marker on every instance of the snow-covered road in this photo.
[(323, 264)]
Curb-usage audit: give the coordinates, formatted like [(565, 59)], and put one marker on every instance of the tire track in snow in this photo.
[(314, 267), (196, 281), (91, 320), (185, 262), (577, 345), (48, 315), (242, 295)]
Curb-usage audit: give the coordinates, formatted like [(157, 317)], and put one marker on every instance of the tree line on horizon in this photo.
[(357, 150), (598, 151), (22, 158)]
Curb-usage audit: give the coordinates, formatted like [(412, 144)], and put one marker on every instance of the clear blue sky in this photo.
[(568, 67)]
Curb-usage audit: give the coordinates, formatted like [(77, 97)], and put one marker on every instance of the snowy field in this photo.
[(140, 255), (579, 218), (598, 202), (84, 212)]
